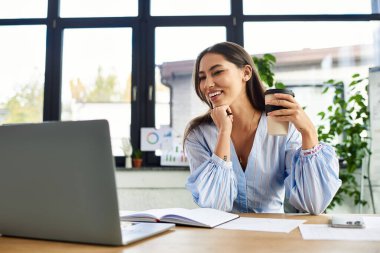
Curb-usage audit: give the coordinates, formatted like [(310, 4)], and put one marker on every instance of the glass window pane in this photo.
[(23, 9), (96, 78), (98, 8), (312, 53), (272, 7), (176, 101), (193, 7), (22, 68)]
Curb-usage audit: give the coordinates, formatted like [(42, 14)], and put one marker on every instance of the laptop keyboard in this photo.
[(129, 226), (135, 231)]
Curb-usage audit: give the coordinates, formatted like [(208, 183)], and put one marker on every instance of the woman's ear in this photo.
[(247, 72)]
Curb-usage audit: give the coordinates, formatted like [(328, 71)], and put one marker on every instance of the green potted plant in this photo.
[(264, 68), (348, 116), (137, 158)]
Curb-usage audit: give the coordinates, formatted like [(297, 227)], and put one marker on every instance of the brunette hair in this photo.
[(237, 55)]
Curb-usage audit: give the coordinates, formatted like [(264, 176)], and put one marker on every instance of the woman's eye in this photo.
[(217, 72), (201, 78)]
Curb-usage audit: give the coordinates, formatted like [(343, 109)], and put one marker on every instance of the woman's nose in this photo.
[(210, 82)]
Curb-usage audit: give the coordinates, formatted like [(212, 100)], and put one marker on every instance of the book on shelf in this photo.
[(198, 217)]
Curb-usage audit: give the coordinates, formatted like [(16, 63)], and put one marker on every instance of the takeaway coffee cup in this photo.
[(274, 126)]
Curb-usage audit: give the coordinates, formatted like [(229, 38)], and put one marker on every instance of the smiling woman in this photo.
[(235, 165)]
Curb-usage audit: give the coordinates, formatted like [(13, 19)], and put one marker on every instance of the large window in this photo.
[(96, 78), (98, 8), (255, 7), (185, 7), (23, 9), (131, 61), (22, 71)]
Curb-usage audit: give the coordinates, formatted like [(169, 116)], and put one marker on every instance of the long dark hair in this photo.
[(237, 55)]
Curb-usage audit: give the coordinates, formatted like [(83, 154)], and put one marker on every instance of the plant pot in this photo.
[(137, 163)]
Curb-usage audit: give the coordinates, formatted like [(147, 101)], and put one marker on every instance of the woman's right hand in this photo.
[(222, 120)]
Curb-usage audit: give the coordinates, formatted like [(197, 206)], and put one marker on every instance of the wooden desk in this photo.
[(198, 240)]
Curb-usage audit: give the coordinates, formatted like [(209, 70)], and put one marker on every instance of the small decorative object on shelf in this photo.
[(127, 149), (137, 158)]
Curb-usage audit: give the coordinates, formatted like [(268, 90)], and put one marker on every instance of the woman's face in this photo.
[(221, 81)]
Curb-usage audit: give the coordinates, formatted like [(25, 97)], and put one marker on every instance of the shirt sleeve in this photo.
[(312, 175), (212, 181)]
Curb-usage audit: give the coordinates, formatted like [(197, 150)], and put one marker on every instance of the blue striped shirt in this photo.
[(277, 168)]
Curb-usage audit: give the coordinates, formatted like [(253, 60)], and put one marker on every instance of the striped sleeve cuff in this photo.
[(311, 151)]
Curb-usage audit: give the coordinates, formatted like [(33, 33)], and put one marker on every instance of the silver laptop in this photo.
[(57, 182)]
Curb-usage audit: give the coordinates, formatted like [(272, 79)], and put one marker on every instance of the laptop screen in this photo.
[(58, 182)]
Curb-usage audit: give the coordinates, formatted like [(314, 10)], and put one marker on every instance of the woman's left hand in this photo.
[(295, 114)]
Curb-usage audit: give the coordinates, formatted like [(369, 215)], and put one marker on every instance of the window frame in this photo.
[(143, 51)]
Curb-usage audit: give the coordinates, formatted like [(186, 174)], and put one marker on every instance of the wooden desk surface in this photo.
[(198, 240)]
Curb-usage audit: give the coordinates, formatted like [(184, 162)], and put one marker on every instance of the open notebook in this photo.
[(199, 217)]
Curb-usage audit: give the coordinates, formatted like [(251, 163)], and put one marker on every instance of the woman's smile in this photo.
[(214, 95)]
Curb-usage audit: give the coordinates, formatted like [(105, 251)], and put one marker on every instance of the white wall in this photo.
[(141, 190)]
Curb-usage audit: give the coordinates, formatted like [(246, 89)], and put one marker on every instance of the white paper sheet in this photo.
[(262, 224), (325, 232)]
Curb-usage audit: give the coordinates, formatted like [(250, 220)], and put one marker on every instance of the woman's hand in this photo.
[(222, 120), (295, 114)]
